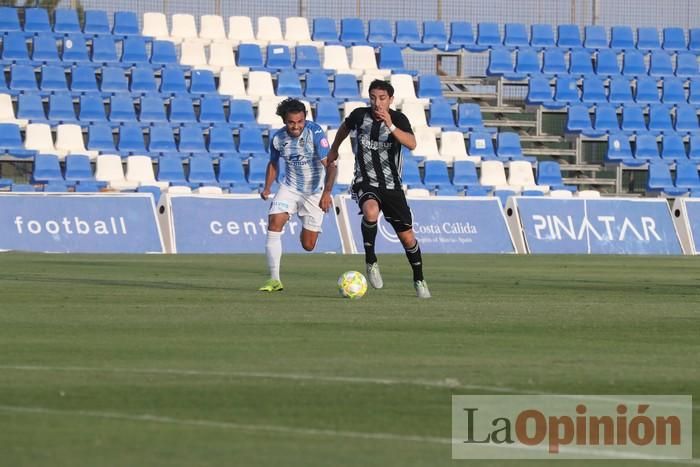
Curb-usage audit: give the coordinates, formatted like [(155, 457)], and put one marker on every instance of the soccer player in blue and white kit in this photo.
[(306, 188)]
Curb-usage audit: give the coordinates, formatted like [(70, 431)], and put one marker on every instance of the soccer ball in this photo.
[(352, 284)]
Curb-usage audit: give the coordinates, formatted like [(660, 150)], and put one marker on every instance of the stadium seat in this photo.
[(11, 141), (126, 23), (44, 49), (581, 63), (270, 32), (508, 146), (481, 145), (251, 142), (521, 178), (595, 37), (549, 173), (61, 108), (686, 65), (648, 39), (593, 90), (660, 119), (250, 56), (121, 109), (579, 120), (407, 35), (453, 148), (327, 113), (69, 140), (569, 36), (66, 21), (352, 32), (152, 110), (181, 110), (515, 35), (429, 87), (267, 112), (184, 29), (607, 63), (38, 138), (109, 169), (488, 35), (231, 84), (317, 86), (687, 175), (170, 171), (672, 148), (113, 81), (606, 120), (465, 176), (161, 139), (694, 91), (469, 118), (211, 111), (674, 39), (221, 57), (566, 91), (621, 38), (686, 120), (7, 111), (192, 54), (620, 91), (241, 113), (554, 62), (221, 142), (36, 20), (442, 116), (542, 36), (296, 33), (240, 31), (619, 150), (53, 80), (78, 169), (212, 28), (100, 138), (539, 92), (163, 53), (647, 90), (142, 81), (259, 85), (131, 139), (694, 148), (74, 50), (364, 62), (646, 147), (325, 31), (391, 58), (46, 169), (231, 173), (104, 51), (673, 91), (83, 80), (9, 20), (660, 180), (191, 140), (694, 40), (22, 79), (660, 64), (633, 63), (256, 172), (345, 87), (462, 36), (404, 90), (633, 119), (410, 173), (202, 83), (92, 109), (14, 48), (96, 23), (380, 33), (139, 169), (307, 59), (435, 35), (493, 175), (278, 58), (155, 26), (173, 81), (500, 62), (436, 175)]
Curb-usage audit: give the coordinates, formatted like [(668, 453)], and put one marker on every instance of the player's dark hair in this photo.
[(383, 86), (290, 105)]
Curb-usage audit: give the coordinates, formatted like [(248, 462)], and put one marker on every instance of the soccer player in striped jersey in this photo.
[(306, 188), (376, 187)]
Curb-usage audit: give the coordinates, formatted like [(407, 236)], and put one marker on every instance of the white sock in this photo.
[(273, 250)]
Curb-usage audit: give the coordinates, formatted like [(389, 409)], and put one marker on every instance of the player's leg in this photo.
[(368, 199), (273, 250), (311, 216)]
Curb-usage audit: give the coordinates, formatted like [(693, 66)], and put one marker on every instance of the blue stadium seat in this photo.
[(569, 36), (173, 81), (595, 37), (462, 36), (113, 81), (9, 20), (250, 141), (407, 35), (14, 48), (481, 144), (694, 91), (134, 51), (579, 120), (660, 180), (410, 173), (101, 138), (694, 149), (500, 62), (288, 84), (469, 117), (278, 58), (211, 111), (619, 150), (11, 141), (435, 35), (581, 63), (23, 188), (488, 35), (96, 23), (74, 50), (436, 175), (686, 120), (53, 79), (22, 78), (607, 64), (36, 20), (104, 51), (549, 173), (126, 23), (620, 91), (441, 115), (61, 108), (429, 87), (391, 58), (142, 81), (352, 32), (593, 90), (621, 38), (256, 172), (66, 21), (686, 65), (647, 91), (44, 49), (673, 91), (152, 110), (646, 148), (687, 175), (170, 170), (241, 113), (324, 30), (231, 172), (539, 92), (163, 53), (380, 33), (201, 171), (181, 110), (161, 139), (660, 64), (131, 139), (508, 146), (554, 62), (566, 91), (202, 83), (633, 119), (121, 109), (327, 113), (78, 169), (90, 187), (673, 148), (674, 39), (221, 141), (633, 64), (515, 35), (317, 86), (92, 109), (660, 119), (345, 87), (46, 169), (542, 36), (250, 55), (648, 39), (56, 187), (83, 80), (694, 40), (606, 120), (306, 59), (465, 176), (191, 140)]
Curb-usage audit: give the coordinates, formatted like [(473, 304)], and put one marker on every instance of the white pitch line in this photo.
[(450, 383), (373, 436)]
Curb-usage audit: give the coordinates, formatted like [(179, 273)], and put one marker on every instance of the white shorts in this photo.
[(305, 206)]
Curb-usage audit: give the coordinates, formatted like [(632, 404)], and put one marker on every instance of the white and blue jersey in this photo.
[(302, 157)]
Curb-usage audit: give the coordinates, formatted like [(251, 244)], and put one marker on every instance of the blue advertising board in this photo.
[(598, 226), (692, 208), (442, 225), (79, 223), (238, 224)]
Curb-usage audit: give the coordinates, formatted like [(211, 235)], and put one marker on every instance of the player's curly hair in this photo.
[(381, 85), (290, 105)]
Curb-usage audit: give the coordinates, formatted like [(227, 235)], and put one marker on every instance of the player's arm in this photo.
[(341, 134), (404, 137), (331, 170), (271, 172)]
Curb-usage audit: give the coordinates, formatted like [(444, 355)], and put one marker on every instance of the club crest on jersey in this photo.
[(324, 143)]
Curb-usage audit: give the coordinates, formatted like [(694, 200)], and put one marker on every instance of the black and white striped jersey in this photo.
[(378, 158)]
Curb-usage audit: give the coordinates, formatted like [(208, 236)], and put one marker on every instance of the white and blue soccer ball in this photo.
[(352, 284)]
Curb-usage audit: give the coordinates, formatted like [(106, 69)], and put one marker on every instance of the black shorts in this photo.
[(392, 203)]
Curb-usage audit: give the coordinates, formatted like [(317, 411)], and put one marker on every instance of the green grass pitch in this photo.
[(180, 361)]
